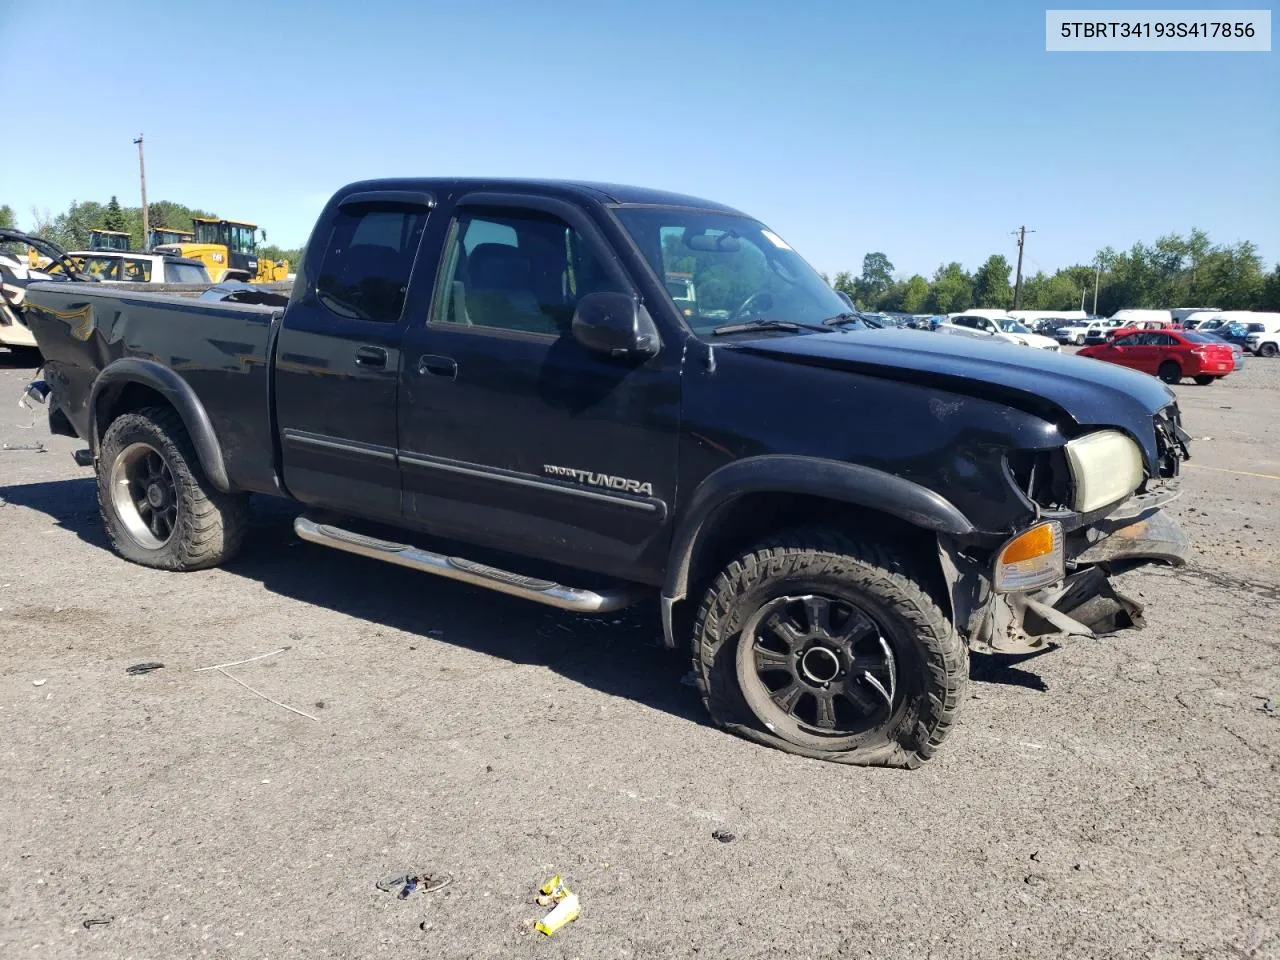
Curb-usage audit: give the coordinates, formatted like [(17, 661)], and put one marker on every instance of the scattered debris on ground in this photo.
[(38, 683), (566, 909), (96, 922), (405, 884), (724, 836), (140, 668), (221, 668)]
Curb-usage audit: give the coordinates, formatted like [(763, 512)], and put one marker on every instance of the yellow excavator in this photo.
[(229, 249)]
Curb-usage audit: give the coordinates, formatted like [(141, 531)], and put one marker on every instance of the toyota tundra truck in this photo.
[(490, 381)]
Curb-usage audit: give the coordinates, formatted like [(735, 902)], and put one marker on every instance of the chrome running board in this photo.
[(468, 571)]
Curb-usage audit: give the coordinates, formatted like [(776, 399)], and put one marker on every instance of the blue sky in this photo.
[(927, 130)]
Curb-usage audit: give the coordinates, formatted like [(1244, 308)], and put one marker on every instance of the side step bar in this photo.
[(468, 571)]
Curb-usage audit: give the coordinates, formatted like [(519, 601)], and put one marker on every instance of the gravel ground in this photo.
[(1112, 798)]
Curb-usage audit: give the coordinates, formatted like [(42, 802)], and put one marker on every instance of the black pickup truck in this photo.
[(493, 381)]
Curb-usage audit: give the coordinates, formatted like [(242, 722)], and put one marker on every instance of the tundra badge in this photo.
[(601, 480)]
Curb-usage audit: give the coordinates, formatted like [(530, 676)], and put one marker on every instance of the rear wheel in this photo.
[(159, 508), (1170, 372), (830, 648), (1204, 379), (1268, 350)]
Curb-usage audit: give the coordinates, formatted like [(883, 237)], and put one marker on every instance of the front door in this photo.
[(338, 360), (511, 432)]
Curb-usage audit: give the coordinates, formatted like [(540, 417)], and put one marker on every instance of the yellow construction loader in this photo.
[(229, 249), (167, 235)]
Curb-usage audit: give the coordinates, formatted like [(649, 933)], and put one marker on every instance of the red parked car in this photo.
[(1169, 354)]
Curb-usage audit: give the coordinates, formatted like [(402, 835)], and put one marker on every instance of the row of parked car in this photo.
[(1257, 332), (1204, 345)]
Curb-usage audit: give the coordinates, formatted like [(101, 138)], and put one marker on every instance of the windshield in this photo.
[(739, 270), (1011, 326)]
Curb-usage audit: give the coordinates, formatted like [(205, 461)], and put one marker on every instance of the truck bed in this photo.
[(221, 349)]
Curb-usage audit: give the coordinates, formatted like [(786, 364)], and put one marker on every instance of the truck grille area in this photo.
[(1043, 477), (1171, 441)]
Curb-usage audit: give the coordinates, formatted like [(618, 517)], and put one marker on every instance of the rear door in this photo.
[(338, 356)]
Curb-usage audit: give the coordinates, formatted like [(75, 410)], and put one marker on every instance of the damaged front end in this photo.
[(1080, 600)]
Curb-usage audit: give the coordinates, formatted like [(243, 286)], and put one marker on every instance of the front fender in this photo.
[(845, 482), (178, 393)]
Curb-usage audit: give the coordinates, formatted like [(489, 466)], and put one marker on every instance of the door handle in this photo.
[(438, 366), (371, 357)]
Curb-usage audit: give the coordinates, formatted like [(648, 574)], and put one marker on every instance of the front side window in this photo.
[(516, 270), (241, 239), (738, 269), (364, 269)]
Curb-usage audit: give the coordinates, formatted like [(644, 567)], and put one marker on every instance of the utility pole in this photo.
[(1021, 234), (146, 218), (1097, 277)]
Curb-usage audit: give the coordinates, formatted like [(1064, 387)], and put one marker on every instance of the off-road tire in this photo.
[(1268, 350), (1170, 372), (1205, 379), (209, 526), (880, 580)]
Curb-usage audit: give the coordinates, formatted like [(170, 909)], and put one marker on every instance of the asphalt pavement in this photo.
[(1109, 798)]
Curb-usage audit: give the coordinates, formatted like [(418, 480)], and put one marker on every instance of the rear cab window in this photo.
[(365, 267)]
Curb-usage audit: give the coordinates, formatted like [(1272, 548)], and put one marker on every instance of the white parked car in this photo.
[(111, 266), (1002, 327), (1264, 342)]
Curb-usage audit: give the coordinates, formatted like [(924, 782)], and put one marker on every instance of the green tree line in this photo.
[(71, 228), (1175, 271)]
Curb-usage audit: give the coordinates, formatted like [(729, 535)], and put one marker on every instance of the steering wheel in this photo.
[(749, 307)]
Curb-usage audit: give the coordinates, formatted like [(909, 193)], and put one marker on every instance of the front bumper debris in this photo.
[(1085, 603)]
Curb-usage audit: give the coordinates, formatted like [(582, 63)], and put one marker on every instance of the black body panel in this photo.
[(533, 444)]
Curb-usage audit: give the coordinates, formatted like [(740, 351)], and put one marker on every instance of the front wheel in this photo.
[(1170, 372), (159, 508), (1204, 380), (829, 647)]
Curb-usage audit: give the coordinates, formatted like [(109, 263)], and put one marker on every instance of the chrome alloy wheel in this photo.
[(144, 495)]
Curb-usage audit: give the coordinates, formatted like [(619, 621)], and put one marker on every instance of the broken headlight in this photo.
[(1105, 466)]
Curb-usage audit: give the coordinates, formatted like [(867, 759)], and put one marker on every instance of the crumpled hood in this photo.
[(1090, 392)]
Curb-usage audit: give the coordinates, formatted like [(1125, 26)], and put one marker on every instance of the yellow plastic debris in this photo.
[(566, 911), (553, 887)]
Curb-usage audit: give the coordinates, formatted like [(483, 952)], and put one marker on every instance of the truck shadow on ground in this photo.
[(618, 653)]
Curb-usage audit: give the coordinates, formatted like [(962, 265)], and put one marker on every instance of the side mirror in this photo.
[(615, 324)]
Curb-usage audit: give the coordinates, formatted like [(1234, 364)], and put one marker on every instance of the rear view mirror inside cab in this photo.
[(708, 242)]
